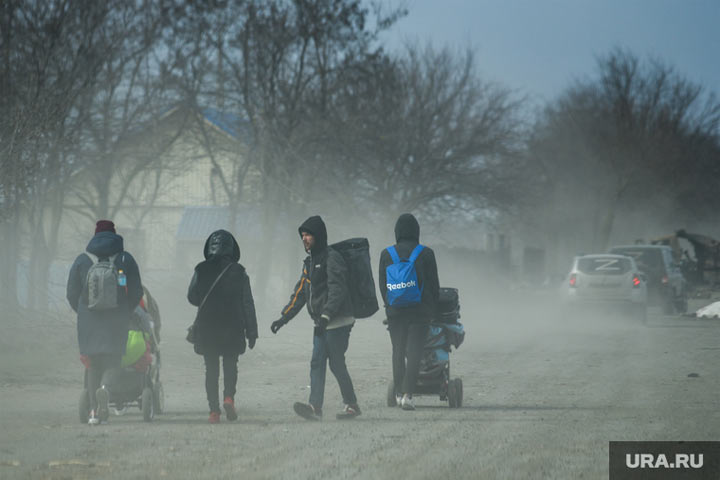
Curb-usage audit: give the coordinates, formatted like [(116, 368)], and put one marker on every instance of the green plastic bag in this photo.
[(135, 348)]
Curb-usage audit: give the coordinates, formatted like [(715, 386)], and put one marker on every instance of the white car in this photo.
[(606, 279)]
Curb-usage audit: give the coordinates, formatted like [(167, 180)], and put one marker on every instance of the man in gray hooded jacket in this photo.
[(323, 288)]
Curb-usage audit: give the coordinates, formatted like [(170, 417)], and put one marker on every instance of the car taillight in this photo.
[(665, 280), (573, 280), (636, 281)]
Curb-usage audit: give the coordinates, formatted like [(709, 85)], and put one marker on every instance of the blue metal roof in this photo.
[(197, 223), (230, 123)]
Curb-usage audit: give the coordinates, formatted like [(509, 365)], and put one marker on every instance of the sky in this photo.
[(538, 47)]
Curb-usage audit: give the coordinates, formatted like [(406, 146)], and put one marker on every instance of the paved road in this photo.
[(543, 397)]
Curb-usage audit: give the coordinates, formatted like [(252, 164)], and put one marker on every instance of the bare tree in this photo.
[(128, 96), (50, 55), (80, 75), (422, 132), (623, 138), (275, 65)]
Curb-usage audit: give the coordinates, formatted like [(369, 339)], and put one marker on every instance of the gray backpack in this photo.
[(102, 284)]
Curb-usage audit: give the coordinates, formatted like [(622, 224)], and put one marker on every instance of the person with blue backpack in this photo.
[(410, 289)]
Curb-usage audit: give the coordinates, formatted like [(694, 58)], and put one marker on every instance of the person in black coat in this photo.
[(102, 334), (408, 325), (323, 288), (225, 319)]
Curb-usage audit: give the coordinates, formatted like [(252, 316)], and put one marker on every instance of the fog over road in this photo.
[(543, 397)]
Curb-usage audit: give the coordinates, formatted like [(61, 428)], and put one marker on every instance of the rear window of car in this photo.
[(645, 258), (604, 265)]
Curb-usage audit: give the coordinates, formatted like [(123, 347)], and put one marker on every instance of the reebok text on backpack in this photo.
[(402, 282)]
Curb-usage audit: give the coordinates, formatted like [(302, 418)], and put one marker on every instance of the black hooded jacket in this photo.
[(407, 236), (323, 282), (103, 332), (227, 317)]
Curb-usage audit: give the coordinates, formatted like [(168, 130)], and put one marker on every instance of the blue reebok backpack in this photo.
[(402, 282)]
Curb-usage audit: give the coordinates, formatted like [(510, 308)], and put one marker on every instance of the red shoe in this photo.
[(214, 417), (229, 406)]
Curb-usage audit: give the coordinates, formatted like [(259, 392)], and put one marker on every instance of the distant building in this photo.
[(176, 199)]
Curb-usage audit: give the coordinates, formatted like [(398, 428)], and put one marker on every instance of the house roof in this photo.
[(199, 222), (230, 123)]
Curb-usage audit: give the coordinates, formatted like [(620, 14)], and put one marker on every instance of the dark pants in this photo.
[(408, 339), (331, 346), (99, 364), (212, 378)]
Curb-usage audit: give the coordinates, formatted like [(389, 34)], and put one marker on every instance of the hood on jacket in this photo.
[(407, 228), (221, 243), (316, 227), (105, 244)]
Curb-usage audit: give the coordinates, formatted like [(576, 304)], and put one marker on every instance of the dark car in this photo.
[(665, 282)]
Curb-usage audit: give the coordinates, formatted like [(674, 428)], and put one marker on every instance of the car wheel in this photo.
[(681, 304), (668, 307)]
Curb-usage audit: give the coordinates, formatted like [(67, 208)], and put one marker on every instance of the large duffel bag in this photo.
[(361, 283)]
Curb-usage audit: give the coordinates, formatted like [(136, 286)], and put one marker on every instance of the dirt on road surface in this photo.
[(543, 396)]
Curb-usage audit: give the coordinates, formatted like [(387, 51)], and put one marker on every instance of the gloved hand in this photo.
[(277, 325), (322, 322), (251, 342)]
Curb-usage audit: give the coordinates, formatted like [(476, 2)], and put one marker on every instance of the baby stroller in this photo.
[(434, 377), (137, 381)]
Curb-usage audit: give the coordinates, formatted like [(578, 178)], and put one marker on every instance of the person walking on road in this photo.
[(103, 288), (220, 288), (410, 289), (323, 288)]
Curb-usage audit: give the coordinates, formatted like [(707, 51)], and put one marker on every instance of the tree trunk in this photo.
[(10, 239), (45, 250), (267, 236), (605, 227)]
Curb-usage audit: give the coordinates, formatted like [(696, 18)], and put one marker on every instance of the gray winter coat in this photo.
[(103, 332)]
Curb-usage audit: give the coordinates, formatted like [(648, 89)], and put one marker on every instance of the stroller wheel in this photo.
[(158, 398), (147, 404), (459, 392), (452, 394), (84, 406)]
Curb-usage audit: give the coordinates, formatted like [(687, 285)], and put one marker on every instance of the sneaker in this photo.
[(103, 401), (407, 403), (229, 406), (93, 418), (307, 411), (350, 411), (214, 417), (398, 400)]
